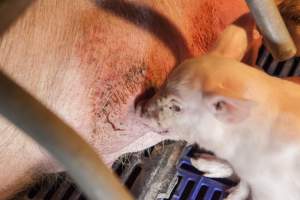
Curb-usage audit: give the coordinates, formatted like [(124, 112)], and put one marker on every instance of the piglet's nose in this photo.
[(149, 109), (146, 108), (143, 103), (145, 96)]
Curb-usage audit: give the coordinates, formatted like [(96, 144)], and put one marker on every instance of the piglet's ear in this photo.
[(227, 109), (232, 43)]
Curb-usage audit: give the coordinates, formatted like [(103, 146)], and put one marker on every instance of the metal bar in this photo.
[(10, 10), (82, 163), (272, 27)]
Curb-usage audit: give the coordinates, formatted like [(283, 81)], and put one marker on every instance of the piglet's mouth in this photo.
[(158, 131), (164, 132), (154, 128)]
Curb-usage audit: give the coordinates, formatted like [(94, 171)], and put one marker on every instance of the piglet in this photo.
[(243, 115)]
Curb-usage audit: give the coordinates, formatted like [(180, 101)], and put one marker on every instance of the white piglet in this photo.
[(243, 115)]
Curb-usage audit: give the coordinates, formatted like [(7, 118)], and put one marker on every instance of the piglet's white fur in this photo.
[(242, 114)]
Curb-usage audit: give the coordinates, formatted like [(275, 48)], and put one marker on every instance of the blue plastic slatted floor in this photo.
[(192, 185)]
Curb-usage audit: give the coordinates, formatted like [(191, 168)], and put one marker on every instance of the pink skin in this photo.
[(89, 62)]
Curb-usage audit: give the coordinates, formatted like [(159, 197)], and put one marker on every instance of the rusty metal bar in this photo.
[(273, 28), (82, 163)]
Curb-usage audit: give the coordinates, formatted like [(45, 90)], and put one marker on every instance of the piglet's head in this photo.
[(207, 93)]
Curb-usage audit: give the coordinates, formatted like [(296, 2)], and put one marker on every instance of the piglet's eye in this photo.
[(219, 106), (175, 108)]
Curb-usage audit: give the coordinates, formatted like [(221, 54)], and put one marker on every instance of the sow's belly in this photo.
[(88, 61)]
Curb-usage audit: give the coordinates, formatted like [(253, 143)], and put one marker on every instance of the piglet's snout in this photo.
[(150, 109)]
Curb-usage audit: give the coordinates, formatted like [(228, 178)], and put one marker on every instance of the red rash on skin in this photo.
[(121, 58)]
